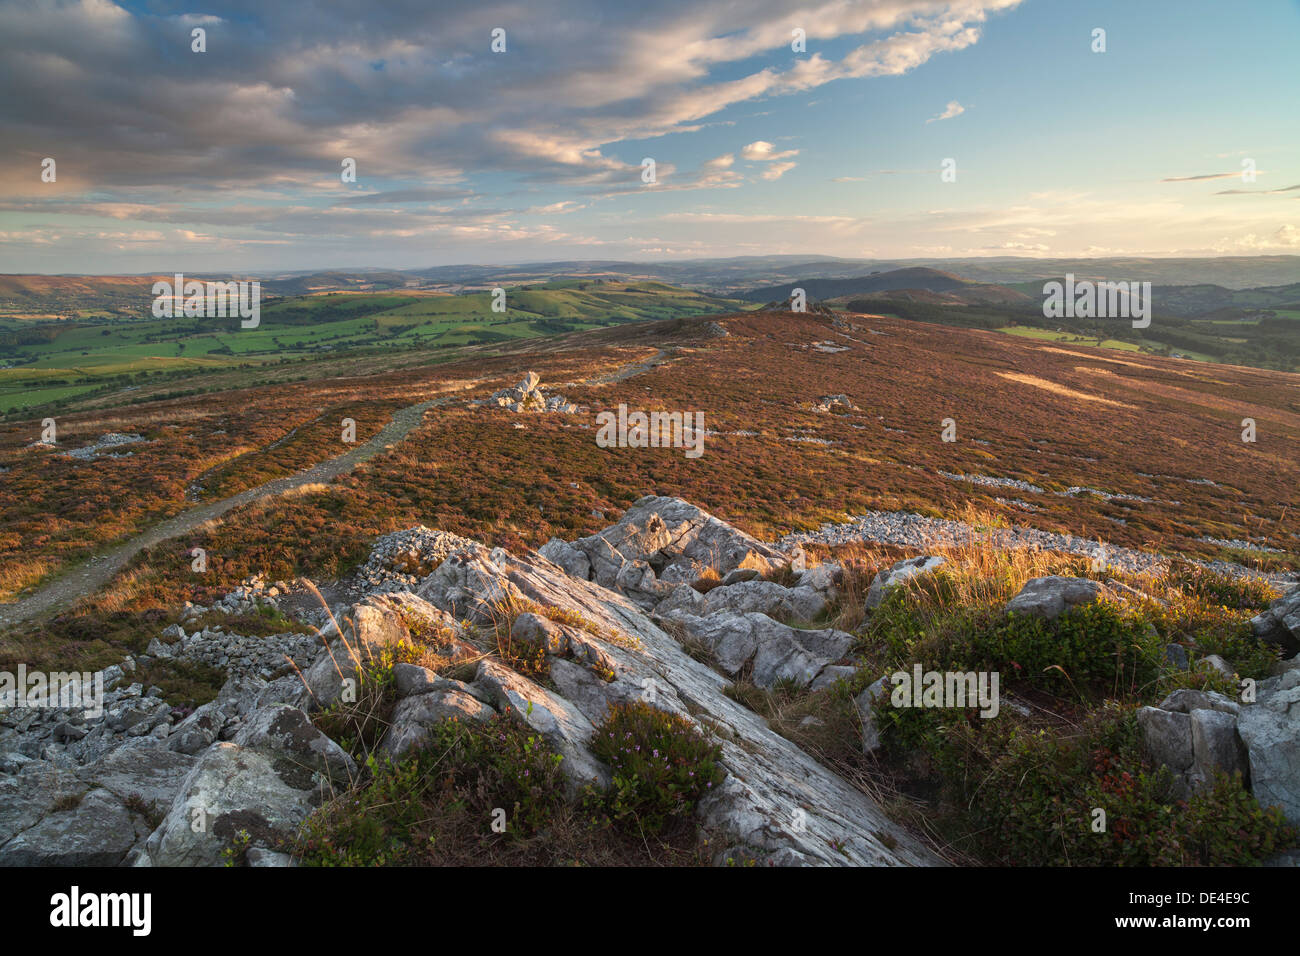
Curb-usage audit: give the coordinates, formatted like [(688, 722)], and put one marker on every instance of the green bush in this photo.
[(442, 799), (1095, 648), (1017, 795), (662, 765)]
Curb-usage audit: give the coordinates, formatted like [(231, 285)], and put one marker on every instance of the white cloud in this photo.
[(761, 151), (953, 109), (777, 170)]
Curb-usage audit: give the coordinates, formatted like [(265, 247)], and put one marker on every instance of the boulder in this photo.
[(1186, 699), (900, 573), (1050, 597), (1280, 624), (301, 749), (764, 597), (414, 718), (1167, 736), (1270, 729), (776, 651), (99, 831), (230, 790), (367, 630), (1215, 747), (865, 703), (682, 598)]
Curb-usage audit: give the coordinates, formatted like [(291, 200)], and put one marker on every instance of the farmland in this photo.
[(95, 351)]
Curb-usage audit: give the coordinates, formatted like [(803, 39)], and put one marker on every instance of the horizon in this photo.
[(231, 159), (484, 264)]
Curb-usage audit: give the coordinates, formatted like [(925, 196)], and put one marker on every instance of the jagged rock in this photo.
[(764, 597), (99, 831), (414, 718), (1280, 624), (527, 396), (230, 789), (286, 732), (1270, 729), (562, 725), (367, 630), (467, 585), (1185, 700), (768, 776), (1194, 733), (1215, 746), (900, 573), (865, 703), (776, 651), (1168, 737), (568, 557), (1050, 597), (141, 769), (673, 540), (1176, 655), (681, 598)]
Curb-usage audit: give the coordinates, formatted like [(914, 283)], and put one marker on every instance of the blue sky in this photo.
[(168, 159)]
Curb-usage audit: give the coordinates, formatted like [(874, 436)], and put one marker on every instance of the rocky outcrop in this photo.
[(658, 544), (768, 777), (773, 652), (830, 402), (527, 396), (245, 770), (1194, 734)]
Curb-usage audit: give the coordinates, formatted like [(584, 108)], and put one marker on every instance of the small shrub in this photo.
[(662, 765)]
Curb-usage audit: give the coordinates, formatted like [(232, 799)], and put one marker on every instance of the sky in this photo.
[(896, 129)]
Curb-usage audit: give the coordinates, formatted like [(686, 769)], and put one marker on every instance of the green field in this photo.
[(45, 363), (1072, 338)]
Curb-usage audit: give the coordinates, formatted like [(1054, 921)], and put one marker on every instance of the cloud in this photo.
[(777, 170), (762, 151), (953, 109), (243, 144), (1257, 192), (1196, 179)]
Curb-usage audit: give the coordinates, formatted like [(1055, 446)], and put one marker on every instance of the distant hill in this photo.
[(951, 287), (819, 289)]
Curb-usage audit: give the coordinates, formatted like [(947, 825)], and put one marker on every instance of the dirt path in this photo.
[(89, 577), (99, 570)]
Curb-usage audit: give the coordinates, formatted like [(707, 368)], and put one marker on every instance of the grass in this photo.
[(1020, 789)]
